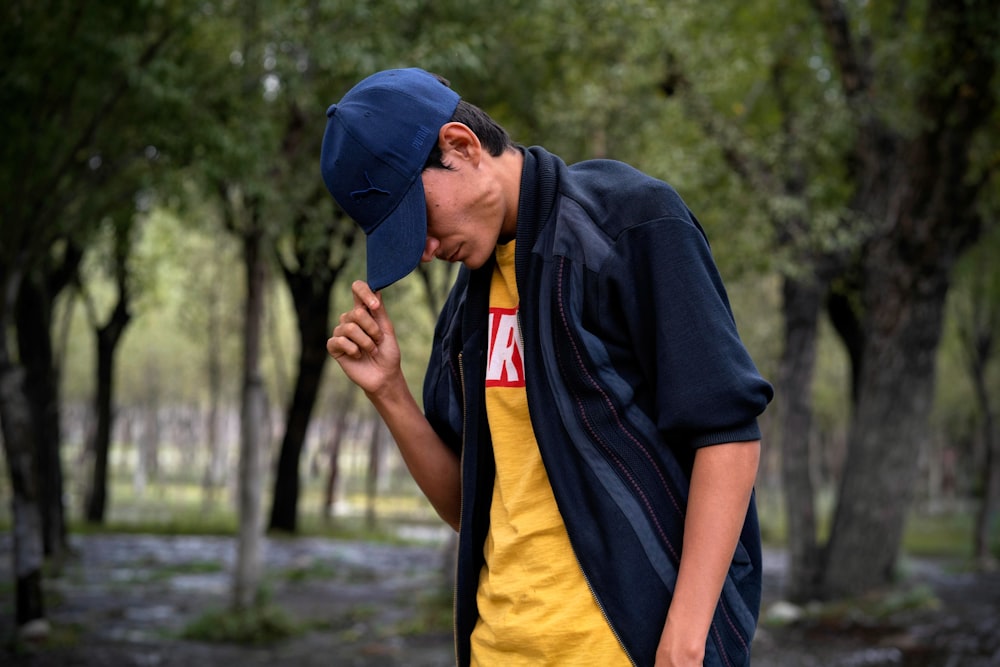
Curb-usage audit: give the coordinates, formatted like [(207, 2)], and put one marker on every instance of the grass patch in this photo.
[(939, 535), (947, 535), (314, 571), (878, 607), (434, 614), (261, 624), (65, 635), (882, 608), (181, 508), (61, 636), (156, 572)]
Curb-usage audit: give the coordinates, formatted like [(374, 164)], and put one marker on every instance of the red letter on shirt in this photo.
[(504, 367)]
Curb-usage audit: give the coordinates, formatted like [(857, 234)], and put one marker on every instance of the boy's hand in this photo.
[(364, 343)]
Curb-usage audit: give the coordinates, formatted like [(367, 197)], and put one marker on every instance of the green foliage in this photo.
[(82, 113)]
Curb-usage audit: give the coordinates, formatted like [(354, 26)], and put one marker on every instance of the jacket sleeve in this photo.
[(678, 321)]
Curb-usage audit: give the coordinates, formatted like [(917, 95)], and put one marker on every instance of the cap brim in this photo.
[(395, 247)]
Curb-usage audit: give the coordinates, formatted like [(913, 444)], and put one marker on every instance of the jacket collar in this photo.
[(537, 202)]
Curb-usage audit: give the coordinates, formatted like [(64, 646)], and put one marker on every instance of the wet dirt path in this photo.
[(124, 600)]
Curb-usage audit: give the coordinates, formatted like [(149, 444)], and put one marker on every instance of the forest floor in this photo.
[(125, 600)]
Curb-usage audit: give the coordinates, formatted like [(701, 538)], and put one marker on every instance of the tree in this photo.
[(977, 306), (919, 186), (338, 433), (310, 284), (317, 240), (15, 418), (376, 439), (236, 178), (33, 315), (253, 409), (72, 86), (789, 180), (316, 245), (109, 334), (881, 117)]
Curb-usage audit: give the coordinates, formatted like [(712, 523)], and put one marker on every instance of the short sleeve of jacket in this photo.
[(678, 321)]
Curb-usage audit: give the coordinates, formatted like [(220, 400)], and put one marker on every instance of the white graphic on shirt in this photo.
[(504, 367)]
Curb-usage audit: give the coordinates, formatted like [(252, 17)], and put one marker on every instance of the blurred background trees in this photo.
[(170, 261)]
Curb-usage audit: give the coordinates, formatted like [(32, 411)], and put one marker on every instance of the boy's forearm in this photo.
[(432, 464), (721, 484)]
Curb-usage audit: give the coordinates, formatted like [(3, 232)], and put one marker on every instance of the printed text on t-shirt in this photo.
[(504, 367)]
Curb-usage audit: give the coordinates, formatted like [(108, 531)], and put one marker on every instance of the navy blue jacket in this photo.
[(632, 361)]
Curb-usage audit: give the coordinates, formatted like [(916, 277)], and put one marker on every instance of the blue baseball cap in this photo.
[(377, 141)]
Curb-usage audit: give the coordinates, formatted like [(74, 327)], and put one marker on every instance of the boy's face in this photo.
[(463, 216)]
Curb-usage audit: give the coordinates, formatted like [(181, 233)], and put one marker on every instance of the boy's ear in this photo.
[(460, 141)]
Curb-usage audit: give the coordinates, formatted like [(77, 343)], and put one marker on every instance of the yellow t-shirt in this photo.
[(535, 607)]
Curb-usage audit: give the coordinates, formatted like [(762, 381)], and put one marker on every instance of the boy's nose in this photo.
[(429, 249)]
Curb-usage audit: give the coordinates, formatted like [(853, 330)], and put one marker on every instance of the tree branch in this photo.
[(44, 200), (855, 71), (756, 173)]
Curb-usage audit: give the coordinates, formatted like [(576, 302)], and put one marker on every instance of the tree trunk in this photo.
[(310, 280), (311, 297), (246, 581), (845, 323), (978, 317), (333, 473), (147, 436), (374, 466), (15, 419), (800, 309), (920, 189), (335, 446), (990, 507), (210, 481), (34, 337), (437, 278), (213, 374), (904, 308), (108, 337), (989, 510)]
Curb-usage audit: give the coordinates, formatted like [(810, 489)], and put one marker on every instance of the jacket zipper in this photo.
[(600, 605)]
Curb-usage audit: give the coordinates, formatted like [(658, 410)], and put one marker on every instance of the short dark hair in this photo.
[(492, 136)]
